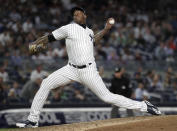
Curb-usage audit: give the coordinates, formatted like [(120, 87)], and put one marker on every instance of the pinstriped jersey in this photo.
[(79, 43)]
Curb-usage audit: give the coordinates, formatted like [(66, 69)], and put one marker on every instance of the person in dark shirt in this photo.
[(120, 84), (3, 93)]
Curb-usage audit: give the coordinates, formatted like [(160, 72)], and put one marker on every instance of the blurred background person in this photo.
[(4, 74), (38, 72), (14, 93), (140, 93), (3, 93), (57, 95), (30, 88)]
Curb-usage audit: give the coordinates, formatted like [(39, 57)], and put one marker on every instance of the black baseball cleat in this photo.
[(27, 124), (152, 109)]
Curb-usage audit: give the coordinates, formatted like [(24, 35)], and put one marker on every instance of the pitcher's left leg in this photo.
[(93, 81)]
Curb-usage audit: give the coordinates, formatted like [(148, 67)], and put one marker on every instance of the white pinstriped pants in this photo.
[(90, 78)]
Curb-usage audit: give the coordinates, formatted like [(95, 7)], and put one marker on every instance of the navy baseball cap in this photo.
[(117, 69), (77, 8)]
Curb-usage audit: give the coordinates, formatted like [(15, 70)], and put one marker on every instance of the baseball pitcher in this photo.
[(81, 67)]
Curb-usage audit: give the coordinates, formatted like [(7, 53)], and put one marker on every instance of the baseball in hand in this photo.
[(111, 21)]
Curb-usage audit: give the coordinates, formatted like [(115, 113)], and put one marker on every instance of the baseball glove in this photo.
[(36, 48)]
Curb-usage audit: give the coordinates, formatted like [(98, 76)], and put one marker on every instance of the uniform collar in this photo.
[(82, 25)]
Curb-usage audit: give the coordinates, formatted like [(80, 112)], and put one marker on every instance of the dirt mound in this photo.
[(145, 123)]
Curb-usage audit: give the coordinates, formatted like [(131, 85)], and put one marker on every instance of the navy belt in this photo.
[(79, 67)]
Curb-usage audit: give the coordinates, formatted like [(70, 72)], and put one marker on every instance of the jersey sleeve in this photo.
[(60, 33)]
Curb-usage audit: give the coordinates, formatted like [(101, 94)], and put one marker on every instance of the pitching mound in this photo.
[(146, 123)]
